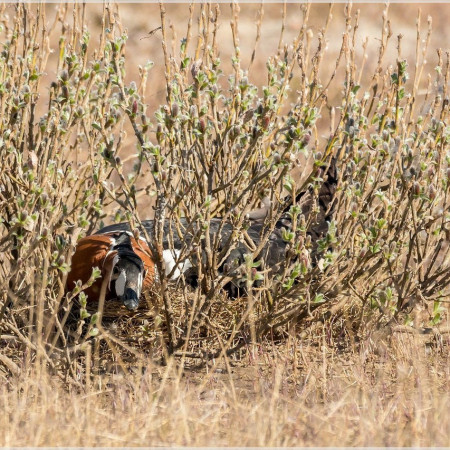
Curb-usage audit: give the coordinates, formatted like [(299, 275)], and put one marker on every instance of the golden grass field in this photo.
[(388, 393), (338, 382)]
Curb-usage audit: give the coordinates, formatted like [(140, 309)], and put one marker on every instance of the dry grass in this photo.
[(386, 394), (347, 344)]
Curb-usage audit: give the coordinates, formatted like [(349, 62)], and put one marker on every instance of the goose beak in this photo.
[(130, 299)]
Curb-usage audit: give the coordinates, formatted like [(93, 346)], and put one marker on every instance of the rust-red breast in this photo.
[(125, 263)]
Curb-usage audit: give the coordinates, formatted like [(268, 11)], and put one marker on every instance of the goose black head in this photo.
[(128, 272)]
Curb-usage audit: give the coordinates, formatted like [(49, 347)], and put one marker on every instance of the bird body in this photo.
[(125, 263), (274, 251)]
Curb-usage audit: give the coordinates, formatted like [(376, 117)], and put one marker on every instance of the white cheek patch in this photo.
[(170, 261), (120, 283)]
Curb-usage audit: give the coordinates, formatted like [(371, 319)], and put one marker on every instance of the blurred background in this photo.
[(140, 19)]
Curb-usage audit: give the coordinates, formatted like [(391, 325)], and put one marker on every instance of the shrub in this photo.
[(217, 147)]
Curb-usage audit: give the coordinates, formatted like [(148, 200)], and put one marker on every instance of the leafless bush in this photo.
[(218, 146)]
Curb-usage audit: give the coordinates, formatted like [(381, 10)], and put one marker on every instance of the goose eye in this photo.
[(115, 270)]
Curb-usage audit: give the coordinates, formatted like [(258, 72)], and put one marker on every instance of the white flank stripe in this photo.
[(170, 261)]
